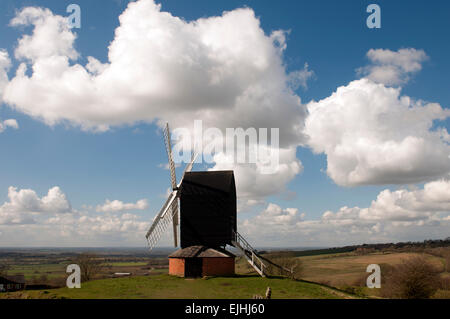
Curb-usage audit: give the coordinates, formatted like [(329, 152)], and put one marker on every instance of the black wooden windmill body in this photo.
[(203, 205)]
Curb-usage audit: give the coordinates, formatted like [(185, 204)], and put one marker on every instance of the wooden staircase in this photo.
[(249, 253), (258, 262)]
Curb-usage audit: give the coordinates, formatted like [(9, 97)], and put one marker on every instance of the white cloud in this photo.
[(79, 230), (27, 219), (8, 123), (223, 70), (400, 215), (119, 206), (253, 186), (91, 225), (275, 215), (24, 205), (300, 78), (373, 135), (5, 64), (393, 67), (394, 216), (51, 35)]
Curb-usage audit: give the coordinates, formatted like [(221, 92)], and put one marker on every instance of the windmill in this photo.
[(203, 206)]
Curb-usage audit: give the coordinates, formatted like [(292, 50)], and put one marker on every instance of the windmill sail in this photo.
[(173, 177), (169, 212), (161, 221)]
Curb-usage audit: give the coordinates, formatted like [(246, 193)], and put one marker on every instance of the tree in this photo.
[(414, 278), (90, 265)]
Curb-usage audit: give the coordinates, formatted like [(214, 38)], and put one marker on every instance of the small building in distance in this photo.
[(200, 261), (12, 283)]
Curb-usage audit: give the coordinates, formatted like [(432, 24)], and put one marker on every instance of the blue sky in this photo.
[(123, 162)]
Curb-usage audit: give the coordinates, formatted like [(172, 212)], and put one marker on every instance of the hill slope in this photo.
[(168, 287)]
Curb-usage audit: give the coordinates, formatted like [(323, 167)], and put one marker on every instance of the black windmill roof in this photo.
[(222, 181)]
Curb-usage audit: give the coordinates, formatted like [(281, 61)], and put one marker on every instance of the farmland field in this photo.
[(48, 266), (344, 269), (347, 271)]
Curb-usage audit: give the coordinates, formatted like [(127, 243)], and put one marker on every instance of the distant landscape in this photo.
[(338, 272)]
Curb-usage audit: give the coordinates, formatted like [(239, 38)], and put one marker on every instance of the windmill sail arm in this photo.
[(162, 213), (168, 144), (191, 163), (188, 167), (162, 221)]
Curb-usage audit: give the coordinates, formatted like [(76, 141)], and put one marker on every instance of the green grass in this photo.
[(169, 287)]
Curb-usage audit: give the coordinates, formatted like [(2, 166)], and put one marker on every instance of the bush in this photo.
[(414, 278), (293, 264)]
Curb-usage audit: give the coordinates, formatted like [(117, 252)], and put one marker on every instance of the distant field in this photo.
[(55, 273), (169, 287), (30, 271), (340, 270), (127, 264)]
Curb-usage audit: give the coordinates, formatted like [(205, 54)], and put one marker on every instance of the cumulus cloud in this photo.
[(393, 216), (24, 205), (93, 225), (393, 67), (51, 35), (5, 64), (51, 220), (275, 215), (224, 70), (119, 206), (253, 186), (372, 134), (83, 229)]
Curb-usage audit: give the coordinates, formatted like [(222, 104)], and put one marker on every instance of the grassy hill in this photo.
[(165, 286)]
